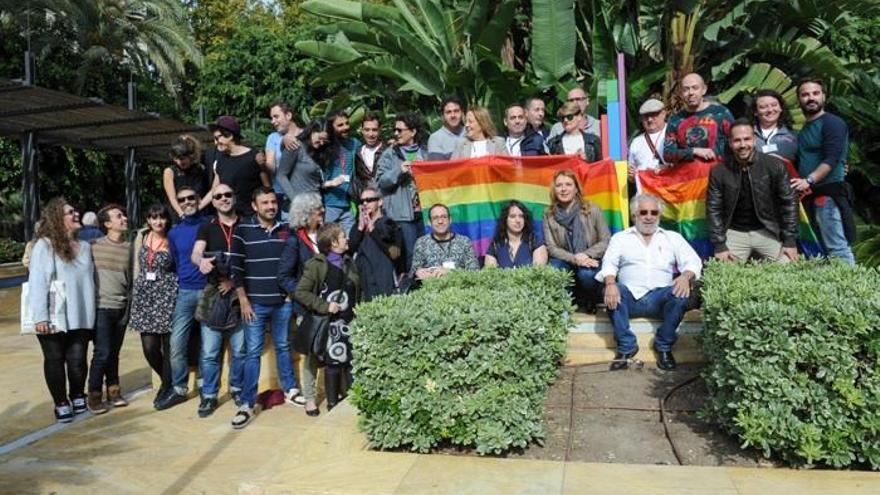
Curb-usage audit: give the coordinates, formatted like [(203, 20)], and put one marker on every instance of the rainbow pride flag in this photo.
[(683, 188), (476, 189)]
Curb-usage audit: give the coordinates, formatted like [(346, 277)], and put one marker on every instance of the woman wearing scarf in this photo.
[(576, 235), (395, 180)]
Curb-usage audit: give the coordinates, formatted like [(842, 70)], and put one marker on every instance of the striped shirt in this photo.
[(255, 255), (112, 272)]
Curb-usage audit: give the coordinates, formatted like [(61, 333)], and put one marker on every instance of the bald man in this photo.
[(589, 123), (697, 131)]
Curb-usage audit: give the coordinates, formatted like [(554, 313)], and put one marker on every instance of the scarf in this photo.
[(575, 233), (335, 259)]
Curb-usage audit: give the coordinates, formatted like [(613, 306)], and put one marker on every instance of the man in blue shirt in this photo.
[(337, 184), (284, 138), (822, 150), (191, 282)]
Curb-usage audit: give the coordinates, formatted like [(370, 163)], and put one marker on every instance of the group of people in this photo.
[(268, 239)]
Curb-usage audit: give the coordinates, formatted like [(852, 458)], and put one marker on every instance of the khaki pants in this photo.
[(758, 243)]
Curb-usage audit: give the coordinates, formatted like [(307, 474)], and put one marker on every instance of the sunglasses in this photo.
[(219, 196), (570, 116), (369, 200), (155, 216), (652, 213), (398, 130), (184, 199)]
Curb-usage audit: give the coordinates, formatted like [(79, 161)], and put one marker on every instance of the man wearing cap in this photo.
[(699, 130), (646, 149), (588, 124), (235, 164)]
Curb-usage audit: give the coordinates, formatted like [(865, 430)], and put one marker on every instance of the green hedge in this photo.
[(10, 250), (793, 352), (464, 361)]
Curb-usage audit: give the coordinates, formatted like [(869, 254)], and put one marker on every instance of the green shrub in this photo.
[(793, 352), (465, 361), (10, 250)]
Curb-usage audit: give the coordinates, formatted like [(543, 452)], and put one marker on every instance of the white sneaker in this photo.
[(243, 417), (294, 397)]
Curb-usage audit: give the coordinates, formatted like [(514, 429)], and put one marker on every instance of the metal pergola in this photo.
[(39, 116)]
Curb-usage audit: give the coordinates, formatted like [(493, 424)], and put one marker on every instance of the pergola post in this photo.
[(132, 199), (30, 183)]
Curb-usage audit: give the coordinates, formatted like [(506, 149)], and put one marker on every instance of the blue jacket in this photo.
[(181, 239), (533, 143)]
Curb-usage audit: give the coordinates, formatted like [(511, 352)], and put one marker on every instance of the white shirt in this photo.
[(640, 153), (643, 268), (369, 155), (512, 144), (478, 149), (573, 144)]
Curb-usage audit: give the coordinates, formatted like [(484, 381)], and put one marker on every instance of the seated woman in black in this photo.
[(515, 243), (377, 243)]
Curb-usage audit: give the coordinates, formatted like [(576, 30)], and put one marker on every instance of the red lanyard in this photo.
[(226, 235), (653, 147), (304, 236), (151, 252)]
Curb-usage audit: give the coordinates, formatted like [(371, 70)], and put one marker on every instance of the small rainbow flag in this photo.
[(683, 188), (477, 189)]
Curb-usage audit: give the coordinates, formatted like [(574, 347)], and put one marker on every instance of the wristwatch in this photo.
[(810, 180)]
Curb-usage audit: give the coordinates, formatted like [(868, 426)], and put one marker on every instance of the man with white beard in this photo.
[(637, 270)]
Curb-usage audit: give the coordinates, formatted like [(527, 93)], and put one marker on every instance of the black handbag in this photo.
[(310, 333), (223, 315)]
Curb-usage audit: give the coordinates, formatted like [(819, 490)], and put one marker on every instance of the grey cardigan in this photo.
[(494, 146), (298, 173), (595, 225), (398, 189), (79, 284)]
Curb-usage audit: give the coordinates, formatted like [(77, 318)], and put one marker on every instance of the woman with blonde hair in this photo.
[(573, 140), (576, 234), (186, 154), (481, 137)]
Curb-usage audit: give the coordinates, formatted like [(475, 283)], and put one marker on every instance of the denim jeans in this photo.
[(831, 230), (278, 316), (211, 358), (342, 216), (660, 302), (411, 231), (109, 333), (584, 278), (182, 324)]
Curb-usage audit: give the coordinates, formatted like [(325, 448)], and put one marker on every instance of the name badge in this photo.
[(449, 265), (151, 276), (769, 148)]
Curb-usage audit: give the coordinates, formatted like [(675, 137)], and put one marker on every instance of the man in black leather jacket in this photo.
[(750, 206)]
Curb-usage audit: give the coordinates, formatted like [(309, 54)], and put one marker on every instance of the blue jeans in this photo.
[(827, 217), (109, 333), (278, 316), (584, 278), (411, 230), (660, 302), (210, 359), (182, 324), (342, 216)]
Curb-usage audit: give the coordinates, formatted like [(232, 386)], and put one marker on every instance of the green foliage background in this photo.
[(794, 359), (465, 361)]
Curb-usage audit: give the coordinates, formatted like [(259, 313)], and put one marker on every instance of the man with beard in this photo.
[(441, 251), (536, 132), (340, 171), (751, 209), (515, 122), (368, 155), (822, 149), (697, 131), (256, 246), (637, 270), (284, 138)]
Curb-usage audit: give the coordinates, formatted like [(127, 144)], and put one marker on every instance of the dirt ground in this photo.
[(592, 415)]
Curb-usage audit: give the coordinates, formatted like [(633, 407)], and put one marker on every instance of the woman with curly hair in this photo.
[(515, 243), (58, 255)]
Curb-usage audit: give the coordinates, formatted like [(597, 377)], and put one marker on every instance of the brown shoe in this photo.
[(95, 403), (114, 396)]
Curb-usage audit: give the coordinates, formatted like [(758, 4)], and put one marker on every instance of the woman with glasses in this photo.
[(482, 138), (576, 235), (306, 217), (377, 243), (154, 292), (515, 243), (186, 155), (59, 255), (395, 180), (301, 170), (574, 141), (235, 164)]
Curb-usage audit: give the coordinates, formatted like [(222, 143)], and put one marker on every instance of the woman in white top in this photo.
[(481, 137), (60, 256), (574, 141)]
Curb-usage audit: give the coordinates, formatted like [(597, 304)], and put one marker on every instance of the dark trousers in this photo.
[(64, 363), (337, 380), (157, 350), (109, 334), (411, 231)]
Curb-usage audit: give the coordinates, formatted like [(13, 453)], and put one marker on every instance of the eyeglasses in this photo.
[(652, 115), (652, 213), (580, 98), (185, 199), (570, 116), (71, 213), (398, 130), (370, 200), (219, 196)]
